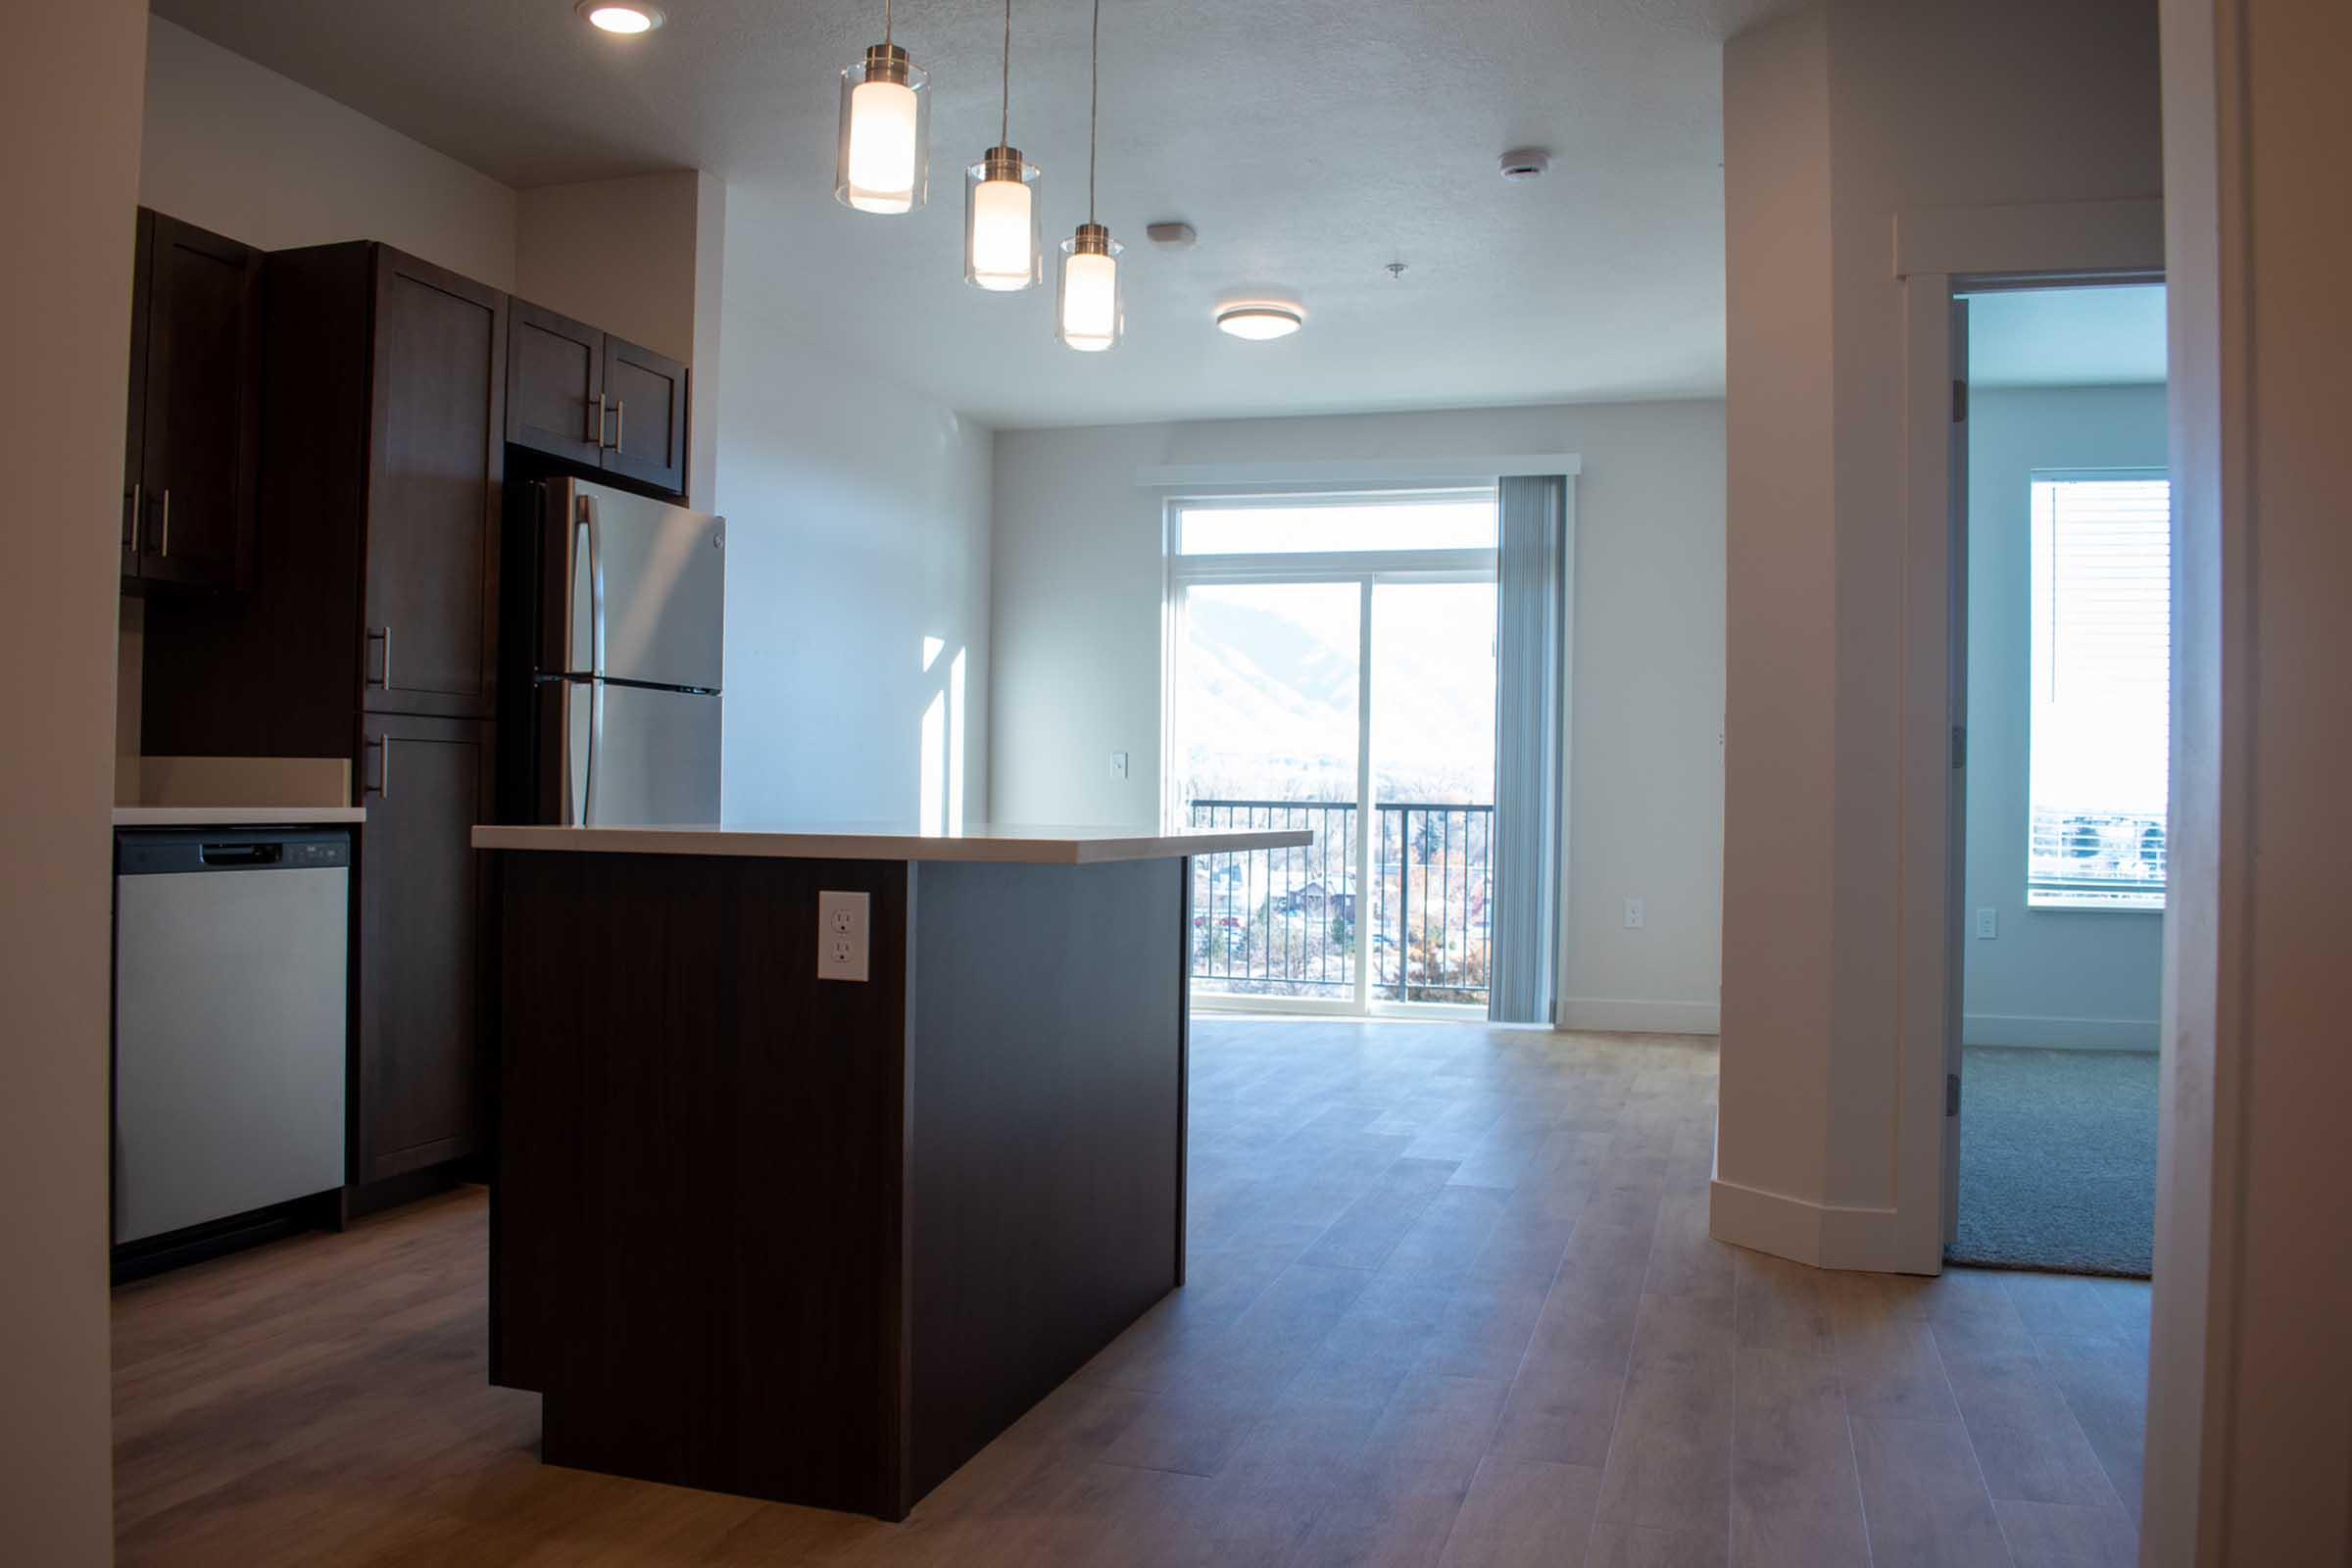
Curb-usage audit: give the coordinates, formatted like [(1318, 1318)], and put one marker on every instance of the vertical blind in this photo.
[(2102, 679), (1531, 620)]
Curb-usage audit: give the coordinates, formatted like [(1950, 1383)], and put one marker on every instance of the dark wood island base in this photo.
[(820, 1240)]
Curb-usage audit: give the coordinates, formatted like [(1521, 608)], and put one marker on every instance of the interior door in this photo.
[(436, 462), (199, 431), (425, 783), (1956, 798)]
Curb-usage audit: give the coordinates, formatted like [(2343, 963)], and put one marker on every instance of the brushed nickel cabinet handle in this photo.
[(383, 635), (382, 747), (620, 416), (166, 547), (597, 434)]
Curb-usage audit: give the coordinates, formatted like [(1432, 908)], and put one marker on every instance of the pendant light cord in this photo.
[(1004, 119), (886, 27), (1094, 108)]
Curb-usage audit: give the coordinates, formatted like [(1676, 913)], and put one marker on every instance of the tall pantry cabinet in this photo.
[(372, 626)]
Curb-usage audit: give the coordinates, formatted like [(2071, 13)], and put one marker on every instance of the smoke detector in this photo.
[(1171, 236), (1525, 163)]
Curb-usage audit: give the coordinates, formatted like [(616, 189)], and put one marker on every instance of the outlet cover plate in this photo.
[(842, 930)]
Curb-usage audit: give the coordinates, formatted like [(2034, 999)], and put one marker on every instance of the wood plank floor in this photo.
[(1453, 1302)]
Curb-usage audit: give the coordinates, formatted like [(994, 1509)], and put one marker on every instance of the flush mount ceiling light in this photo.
[(1260, 321), (882, 158), (621, 16), (1001, 250), (1091, 312)]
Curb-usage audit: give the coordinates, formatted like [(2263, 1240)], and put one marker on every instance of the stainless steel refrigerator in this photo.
[(626, 659)]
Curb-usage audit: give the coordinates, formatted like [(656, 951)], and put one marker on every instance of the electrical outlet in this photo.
[(1118, 765), (1633, 915), (841, 936), (1988, 923)]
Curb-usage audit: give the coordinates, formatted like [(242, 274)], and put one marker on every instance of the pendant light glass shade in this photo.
[(1091, 310), (1000, 246), (885, 150)]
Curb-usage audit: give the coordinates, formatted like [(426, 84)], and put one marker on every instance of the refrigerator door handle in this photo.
[(596, 734), (595, 587)]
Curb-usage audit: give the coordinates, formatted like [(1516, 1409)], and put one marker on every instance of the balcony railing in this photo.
[(1284, 923)]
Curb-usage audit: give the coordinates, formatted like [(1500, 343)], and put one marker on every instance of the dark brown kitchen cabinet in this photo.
[(597, 401), (555, 384), (436, 459), (189, 471), (425, 782), (370, 632), (648, 396)]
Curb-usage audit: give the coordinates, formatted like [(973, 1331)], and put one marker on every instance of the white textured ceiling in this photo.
[(1310, 143), (2107, 336)]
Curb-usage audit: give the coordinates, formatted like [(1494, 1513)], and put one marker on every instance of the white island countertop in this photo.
[(1013, 843)]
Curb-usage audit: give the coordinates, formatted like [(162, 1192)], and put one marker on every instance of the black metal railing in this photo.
[(1284, 923)]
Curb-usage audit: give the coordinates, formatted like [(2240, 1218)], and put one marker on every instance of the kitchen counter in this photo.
[(773, 1221), (238, 815), (993, 842)]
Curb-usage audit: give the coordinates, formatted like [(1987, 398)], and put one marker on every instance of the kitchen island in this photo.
[(763, 1229)]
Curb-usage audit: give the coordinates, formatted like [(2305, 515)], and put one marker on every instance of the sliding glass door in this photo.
[(1331, 667)]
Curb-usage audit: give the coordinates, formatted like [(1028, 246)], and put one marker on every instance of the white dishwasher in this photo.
[(232, 955)]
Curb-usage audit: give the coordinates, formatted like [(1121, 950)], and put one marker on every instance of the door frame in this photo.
[(1368, 570), (1939, 254)]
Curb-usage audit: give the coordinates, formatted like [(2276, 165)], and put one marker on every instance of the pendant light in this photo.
[(1089, 312), (1001, 250), (884, 152)]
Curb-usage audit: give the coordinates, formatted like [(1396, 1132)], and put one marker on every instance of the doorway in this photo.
[(2066, 651), (1332, 667)]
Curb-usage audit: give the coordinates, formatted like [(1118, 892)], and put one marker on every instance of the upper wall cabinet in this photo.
[(436, 460), (190, 465), (583, 395)]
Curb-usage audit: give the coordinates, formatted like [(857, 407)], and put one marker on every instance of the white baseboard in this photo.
[(2060, 1034), (1640, 1016), (1822, 1235)]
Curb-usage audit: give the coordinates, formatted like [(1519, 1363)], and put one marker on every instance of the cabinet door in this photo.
[(199, 430), (134, 481), (648, 397), (437, 453), (555, 384), (418, 1084)]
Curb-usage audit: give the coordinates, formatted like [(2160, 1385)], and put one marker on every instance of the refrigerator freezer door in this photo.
[(634, 590), (639, 758)]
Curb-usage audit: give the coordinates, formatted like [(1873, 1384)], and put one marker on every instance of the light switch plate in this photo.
[(842, 928), (1118, 765), (1988, 923)]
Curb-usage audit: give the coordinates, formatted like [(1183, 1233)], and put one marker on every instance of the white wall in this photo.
[(1077, 615), (2251, 1397), (66, 285), (857, 525), (1928, 106), (2051, 977), (237, 148)]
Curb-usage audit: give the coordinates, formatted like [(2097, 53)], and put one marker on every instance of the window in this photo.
[(2102, 682), (1331, 663), (1415, 521)]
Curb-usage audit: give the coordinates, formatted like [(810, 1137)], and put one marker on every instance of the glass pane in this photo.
[(1266, 727), (1450, 522), (2100, 715), (1432, 779)]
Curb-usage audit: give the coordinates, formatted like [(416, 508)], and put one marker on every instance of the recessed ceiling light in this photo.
[(621, 16), (1260, 319)]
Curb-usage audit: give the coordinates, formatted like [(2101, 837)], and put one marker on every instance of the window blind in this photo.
[(2102, 678)]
